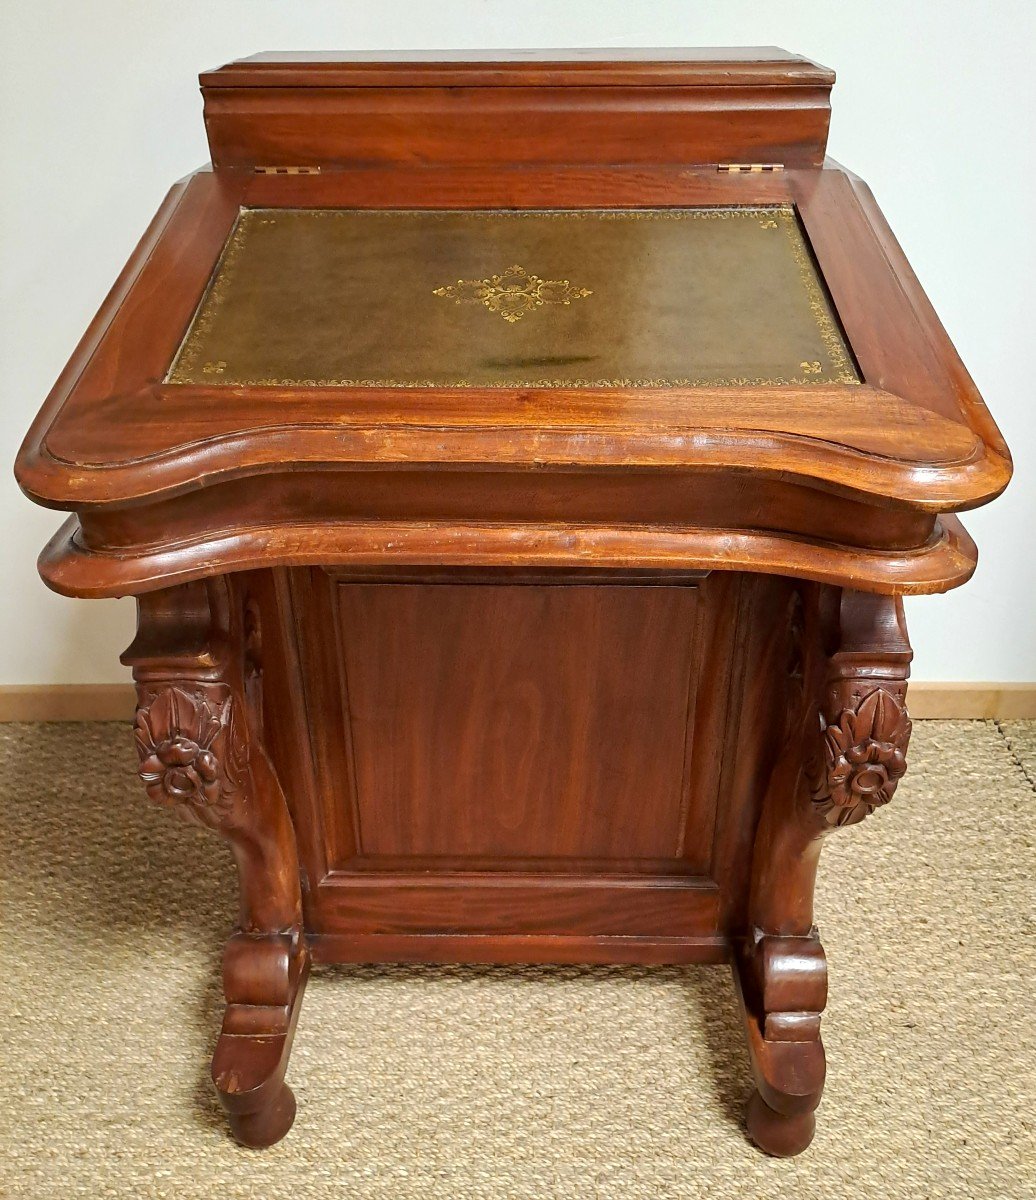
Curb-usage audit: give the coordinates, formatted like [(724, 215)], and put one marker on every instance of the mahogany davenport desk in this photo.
[(518, 464)]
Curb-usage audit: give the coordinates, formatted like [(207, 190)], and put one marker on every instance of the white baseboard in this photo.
[(974, 701), (115, 701)]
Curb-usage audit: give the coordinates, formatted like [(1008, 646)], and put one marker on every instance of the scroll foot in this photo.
[(265, 1126), (775, 1133), (263, 979), (789, 1070)]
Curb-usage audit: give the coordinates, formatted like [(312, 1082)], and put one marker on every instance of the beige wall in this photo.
[(934, 106)]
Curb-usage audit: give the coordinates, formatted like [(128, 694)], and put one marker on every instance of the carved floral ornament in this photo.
[(191, 758), (863, 758)]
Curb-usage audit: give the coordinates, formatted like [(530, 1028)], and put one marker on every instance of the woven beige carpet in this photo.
[(514, 1083)]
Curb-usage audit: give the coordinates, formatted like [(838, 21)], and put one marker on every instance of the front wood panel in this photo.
[(519, 722), (525, 765)]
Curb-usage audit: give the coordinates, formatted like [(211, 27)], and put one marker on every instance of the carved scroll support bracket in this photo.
[(198, 738), (844, 757)]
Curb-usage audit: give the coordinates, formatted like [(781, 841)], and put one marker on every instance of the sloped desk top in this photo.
[(679, 297), (568, 366)]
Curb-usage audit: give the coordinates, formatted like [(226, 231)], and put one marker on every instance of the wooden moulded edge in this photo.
[(947, 561), (767, 66), (976, 477), (52, 475)]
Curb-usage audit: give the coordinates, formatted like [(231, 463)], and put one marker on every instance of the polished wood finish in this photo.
[(519, 674), (556, 731), (849, 662), (578, 815), (759, 106), (202, 755)]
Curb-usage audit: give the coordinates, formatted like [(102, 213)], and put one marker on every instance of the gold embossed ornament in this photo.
[(513, 293)]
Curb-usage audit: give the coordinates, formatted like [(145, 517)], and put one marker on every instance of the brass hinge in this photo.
[(749, 168), (287, 170)]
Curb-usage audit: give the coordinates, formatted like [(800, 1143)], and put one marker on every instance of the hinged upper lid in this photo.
[(446, 108)]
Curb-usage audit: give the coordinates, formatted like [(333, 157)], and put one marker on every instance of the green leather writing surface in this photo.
[(590, 298)]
